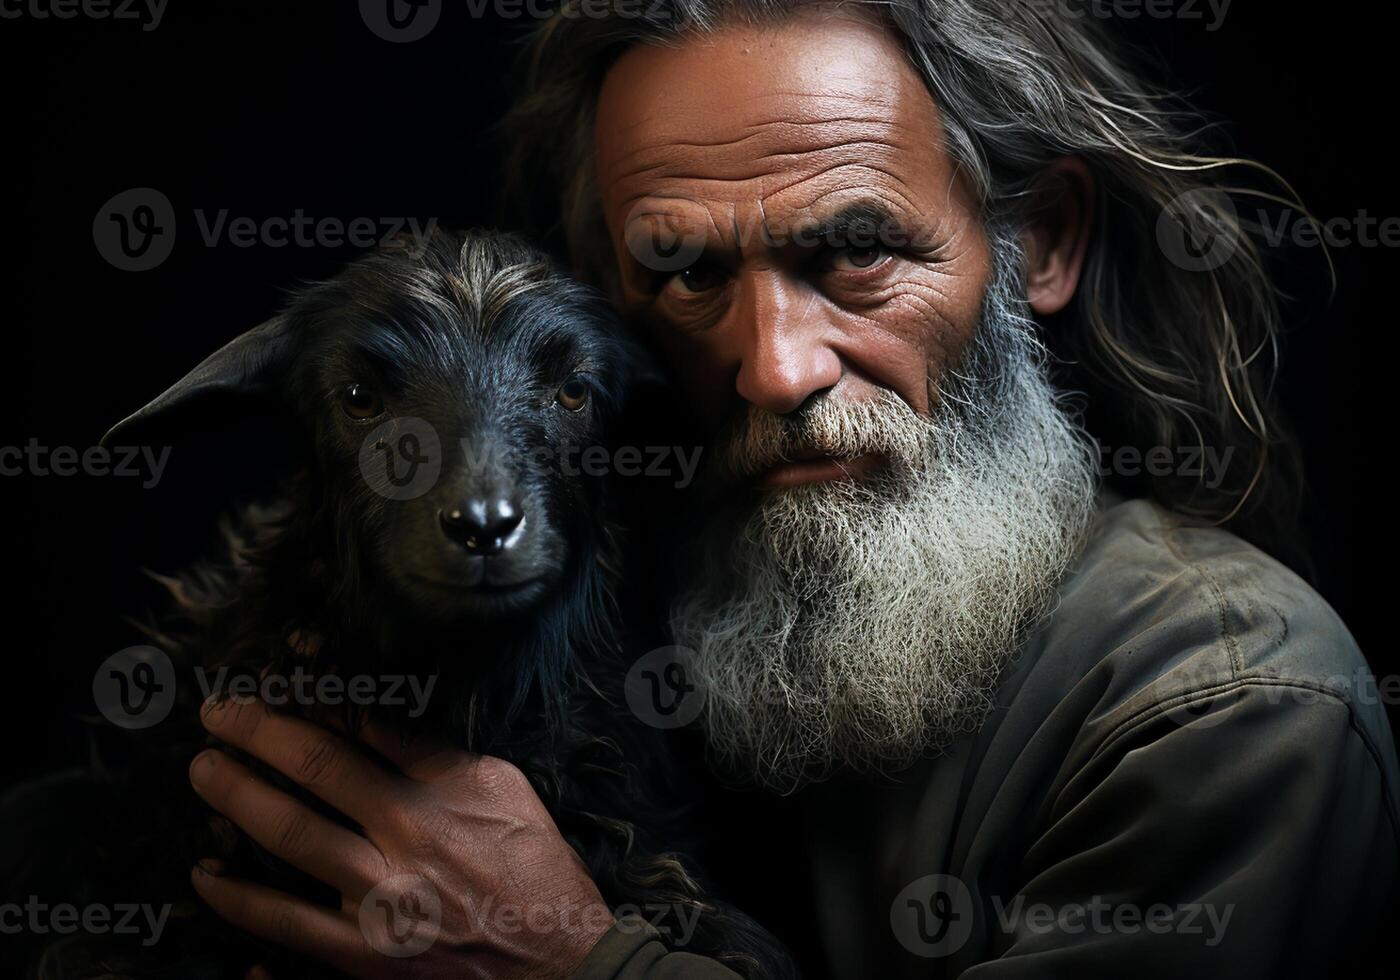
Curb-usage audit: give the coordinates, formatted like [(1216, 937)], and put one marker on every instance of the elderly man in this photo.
[(1026, 726)]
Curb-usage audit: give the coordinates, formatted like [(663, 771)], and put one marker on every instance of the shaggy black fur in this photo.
[(475, 336)]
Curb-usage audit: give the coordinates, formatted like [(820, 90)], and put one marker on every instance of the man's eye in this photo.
[(854, 258), (700, 278)]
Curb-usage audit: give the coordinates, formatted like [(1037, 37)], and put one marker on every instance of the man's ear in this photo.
[(250, 365), (1057, 236)]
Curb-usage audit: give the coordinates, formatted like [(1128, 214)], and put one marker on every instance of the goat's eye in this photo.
[(361, 402), (573, 394)]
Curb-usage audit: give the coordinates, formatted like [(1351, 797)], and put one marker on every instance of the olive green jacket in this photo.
[(1189, 773)]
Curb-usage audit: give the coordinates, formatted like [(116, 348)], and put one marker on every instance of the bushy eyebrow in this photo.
[(862, 224)]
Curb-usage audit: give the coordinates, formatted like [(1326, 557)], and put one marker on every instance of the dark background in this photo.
[(265, 108)]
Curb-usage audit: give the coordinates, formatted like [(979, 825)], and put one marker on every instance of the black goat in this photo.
[(435, 530)]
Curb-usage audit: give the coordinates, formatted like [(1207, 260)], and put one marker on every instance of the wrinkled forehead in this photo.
[(783, 117)]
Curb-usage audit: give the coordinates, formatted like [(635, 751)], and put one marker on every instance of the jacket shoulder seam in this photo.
[(1232, 646)]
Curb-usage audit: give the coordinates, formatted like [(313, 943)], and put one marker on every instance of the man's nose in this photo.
[(786, 356), (483, 526)]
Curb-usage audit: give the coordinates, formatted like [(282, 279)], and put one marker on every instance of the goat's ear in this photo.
[(247, 366)]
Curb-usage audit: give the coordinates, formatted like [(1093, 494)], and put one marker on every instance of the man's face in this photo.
[(860, 345), (842, 253)]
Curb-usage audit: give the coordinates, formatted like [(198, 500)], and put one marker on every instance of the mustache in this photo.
[(758, 440)]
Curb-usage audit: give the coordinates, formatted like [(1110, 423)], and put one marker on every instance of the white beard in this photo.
[(862, 625)]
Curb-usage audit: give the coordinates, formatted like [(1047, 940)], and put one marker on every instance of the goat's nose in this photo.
[(483, 527)]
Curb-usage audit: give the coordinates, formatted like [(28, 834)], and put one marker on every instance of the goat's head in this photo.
[(454, 395)]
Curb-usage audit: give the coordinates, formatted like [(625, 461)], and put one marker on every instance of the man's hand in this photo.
[(461, 872)]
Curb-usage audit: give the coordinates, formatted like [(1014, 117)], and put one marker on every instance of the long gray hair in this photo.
[(1174, 343)]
